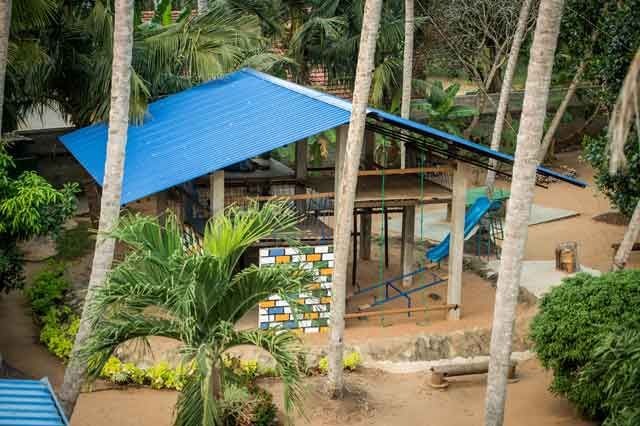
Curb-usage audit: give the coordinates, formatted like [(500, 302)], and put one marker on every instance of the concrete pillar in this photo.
[(216, 192), (456, 242), (341, 147), (408, 243)]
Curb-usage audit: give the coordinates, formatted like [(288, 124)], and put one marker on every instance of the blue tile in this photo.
[(276, 252), (264, 325), (290, 324), (277, 310)]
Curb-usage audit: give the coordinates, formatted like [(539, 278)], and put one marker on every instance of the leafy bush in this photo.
[(59, 329), (74, 243), (158, 376), (11, 266), (622, 189), (248, 406), (574, 319), (48, 289), (349, 362)]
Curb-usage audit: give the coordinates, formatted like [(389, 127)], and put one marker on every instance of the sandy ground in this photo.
[(376, 398)]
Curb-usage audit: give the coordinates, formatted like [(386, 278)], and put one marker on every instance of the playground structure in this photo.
[(191, 157)]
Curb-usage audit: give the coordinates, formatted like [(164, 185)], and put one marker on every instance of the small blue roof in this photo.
[(209, 127), (228, 120), (29, 403)]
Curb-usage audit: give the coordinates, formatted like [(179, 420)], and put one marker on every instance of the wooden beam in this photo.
[(408, 244), (401, 311), (456, 242), (408, 171), (216, 192), (365, 235)]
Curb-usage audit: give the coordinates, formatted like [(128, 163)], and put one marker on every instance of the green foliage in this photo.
[(440, 108), (350, 362), (577, 317), (11, 266), (74, 243), (196, 294), (48, 288), (158, 376), (59, 329), (623, 188)]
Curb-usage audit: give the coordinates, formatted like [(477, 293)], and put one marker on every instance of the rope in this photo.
[(382, 225)]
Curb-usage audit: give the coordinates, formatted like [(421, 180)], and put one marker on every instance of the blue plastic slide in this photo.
[(472, 218)]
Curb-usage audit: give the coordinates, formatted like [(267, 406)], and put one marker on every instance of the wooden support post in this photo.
[(365, 235), (408, 244), (301, 171), (162, 204), (456, 244), (341, 147), (368, 150), (216, 192)]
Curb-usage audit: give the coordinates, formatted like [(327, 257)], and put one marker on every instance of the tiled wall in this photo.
[(312, 312)]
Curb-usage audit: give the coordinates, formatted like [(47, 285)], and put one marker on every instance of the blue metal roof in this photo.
[(463, 143), (209, 127), (29, 403), (228, 120)]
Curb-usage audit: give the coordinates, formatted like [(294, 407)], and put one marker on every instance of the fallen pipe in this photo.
[(401, 311)]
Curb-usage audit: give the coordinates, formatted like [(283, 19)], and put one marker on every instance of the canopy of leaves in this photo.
[(622, 188), (193, 291), (440, 108), (578, 316)]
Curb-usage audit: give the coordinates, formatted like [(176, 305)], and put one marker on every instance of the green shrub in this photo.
[(74, 243), (575, 318), (250, 406), (159, 376), (11, 266), (48, 289), (350, 362), (59, 329)]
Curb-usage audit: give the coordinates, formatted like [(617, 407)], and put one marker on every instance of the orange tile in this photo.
[(268, 304), (314, 257), (324, 329), (300, 301), (282, 317), (315, 286), (283, 259), (311, 315), (324, 300), (326, 271)]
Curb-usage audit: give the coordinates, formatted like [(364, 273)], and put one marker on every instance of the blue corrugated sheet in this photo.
[(228, 120), (209, 127), (29, 403)]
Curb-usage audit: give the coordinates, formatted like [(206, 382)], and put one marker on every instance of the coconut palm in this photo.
[(195, 293), (625, 115), (5, 24), (439, 106), (522, 187)]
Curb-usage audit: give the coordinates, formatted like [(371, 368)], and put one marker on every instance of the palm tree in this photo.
[(407, 69), (5, 25), (347, 191), (505, 91), (202, 6), (625, 115), (524, 174), (111, 190), (195, 293)]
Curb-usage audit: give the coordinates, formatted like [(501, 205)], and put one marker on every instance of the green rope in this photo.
[(382, 224), (421, 198)]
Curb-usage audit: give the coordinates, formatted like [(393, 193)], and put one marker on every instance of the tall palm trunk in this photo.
[(522, 186), (555, 122), (625, 114), (407, 70), (347, 190), (202, 6), (111, 191), (5, 26), (505, 92)]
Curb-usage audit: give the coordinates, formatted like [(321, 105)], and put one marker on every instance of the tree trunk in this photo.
[(407, 70), (548, 137), (5, 25), (522, 187), (505, 92), (630, 237), (202, 6), (111, 190), (347, 191)]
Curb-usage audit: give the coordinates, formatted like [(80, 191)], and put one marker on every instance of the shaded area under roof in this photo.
[(29, 403), (235, 118)]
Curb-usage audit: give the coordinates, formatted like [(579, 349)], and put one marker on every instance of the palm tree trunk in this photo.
[(111, 191), (5, 25), (522, 187), (407, 70), (505, 92), (630, 237), (548, 137), (202, 6), (347, 190)]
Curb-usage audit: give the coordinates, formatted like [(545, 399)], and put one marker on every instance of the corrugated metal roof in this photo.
[(29, 403), (461, 143), (225, 121), (209, 127)]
